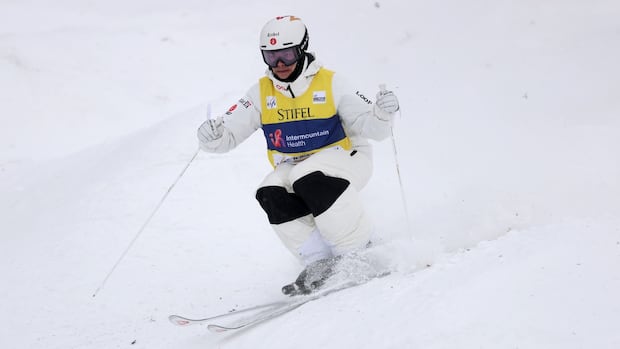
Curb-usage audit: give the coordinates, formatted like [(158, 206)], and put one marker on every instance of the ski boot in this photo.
[(312, 277)]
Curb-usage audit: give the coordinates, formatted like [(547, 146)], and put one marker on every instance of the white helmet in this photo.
[(283, 32)]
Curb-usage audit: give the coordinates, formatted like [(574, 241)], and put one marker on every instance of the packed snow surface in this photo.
[(505, 232)]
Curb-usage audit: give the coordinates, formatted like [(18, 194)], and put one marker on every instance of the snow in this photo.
[(507, 147)]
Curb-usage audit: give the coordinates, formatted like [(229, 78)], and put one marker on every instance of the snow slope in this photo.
[(507, 147)]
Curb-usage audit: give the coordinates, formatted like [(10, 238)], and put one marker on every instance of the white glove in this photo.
[(387, 101), (211, 130)]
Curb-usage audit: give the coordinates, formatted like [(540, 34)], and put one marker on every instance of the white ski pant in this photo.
[(341, 225)]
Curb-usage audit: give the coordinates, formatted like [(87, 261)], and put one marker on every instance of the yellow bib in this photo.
[(296, 128)]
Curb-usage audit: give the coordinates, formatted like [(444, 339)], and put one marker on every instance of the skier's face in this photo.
[(282, 71)]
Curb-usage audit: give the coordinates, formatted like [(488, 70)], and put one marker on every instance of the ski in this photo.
[(183, 321), (235, 320), (278, 309), (256, 319), (246, 317)]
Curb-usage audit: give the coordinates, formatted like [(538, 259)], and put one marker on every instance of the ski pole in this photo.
[(148, 220), (382, 88)]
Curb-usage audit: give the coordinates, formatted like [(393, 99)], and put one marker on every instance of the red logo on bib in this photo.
[(276, 139)]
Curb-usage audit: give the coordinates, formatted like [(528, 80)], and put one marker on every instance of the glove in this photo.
[(387, 101), (211, 130)]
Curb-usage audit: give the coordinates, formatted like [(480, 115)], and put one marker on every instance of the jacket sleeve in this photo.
[(239, 122), (358, 113)]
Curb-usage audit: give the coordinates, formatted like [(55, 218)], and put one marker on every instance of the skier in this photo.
[(316, 128)]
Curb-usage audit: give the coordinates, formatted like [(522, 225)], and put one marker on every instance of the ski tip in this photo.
[(179, 320), (218, 328)]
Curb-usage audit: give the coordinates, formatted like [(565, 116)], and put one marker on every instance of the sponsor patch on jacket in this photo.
[(231, 109), (364, 98), (319, 97), (245, 103)]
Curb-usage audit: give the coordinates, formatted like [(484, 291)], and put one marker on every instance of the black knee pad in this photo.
[(319, 191), (280, 205)]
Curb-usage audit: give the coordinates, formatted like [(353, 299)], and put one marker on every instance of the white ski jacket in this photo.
[(361, 120)]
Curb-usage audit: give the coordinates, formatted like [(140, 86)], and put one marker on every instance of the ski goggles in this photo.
[(288, 56)]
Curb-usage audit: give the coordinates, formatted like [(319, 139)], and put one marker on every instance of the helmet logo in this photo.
[(291, 18), (273, 41)]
